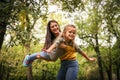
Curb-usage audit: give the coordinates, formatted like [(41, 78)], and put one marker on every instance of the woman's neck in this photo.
[(57, 34)]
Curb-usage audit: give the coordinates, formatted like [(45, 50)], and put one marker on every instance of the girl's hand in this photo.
[(92, 59)]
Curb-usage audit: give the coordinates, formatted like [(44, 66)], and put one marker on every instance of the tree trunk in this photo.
[(29, 73), (99, 58), (109, 69), (100, 66), (117, 62), (2, 33), (109, 73), (29, 70), (118, 70), (1, 70)]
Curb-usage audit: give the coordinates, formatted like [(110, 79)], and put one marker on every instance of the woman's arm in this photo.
[(56, 43), (51, 48), (67, 47)]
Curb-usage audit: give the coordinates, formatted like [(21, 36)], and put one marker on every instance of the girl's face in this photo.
[(54, 27), (70, 33)]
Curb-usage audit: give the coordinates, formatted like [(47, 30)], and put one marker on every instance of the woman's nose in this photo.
[(55, 26)]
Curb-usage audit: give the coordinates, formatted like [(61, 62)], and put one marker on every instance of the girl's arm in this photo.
[(83, 53), (88, 58)]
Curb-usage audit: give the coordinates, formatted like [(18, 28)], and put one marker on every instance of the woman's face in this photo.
[(54, 27)]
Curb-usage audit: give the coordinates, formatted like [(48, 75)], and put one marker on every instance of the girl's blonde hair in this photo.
[(69, 25), (65, 30)]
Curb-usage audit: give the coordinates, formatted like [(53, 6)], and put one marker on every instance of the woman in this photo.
[(53, 31)]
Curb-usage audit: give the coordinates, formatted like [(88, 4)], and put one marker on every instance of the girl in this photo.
[(69, 64)]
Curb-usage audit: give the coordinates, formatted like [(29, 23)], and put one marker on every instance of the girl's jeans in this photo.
[(68, 70)]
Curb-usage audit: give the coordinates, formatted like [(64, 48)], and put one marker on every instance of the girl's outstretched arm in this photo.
[(88, 58)]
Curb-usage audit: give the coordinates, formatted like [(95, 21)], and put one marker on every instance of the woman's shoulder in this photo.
[(60, 37)]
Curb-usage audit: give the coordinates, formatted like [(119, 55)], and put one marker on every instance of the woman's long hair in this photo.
[(50, 37)]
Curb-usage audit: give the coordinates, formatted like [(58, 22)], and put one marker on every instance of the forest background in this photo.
[(22, 31)]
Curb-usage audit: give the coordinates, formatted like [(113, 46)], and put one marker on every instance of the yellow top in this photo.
[(70, 54)]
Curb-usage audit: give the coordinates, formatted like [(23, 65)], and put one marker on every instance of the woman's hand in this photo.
[(62, 45), (46, 50)]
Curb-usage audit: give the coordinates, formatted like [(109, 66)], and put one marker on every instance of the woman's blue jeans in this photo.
[(68, 70)]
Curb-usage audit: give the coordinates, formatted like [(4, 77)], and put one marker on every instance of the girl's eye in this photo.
[(71, 32)]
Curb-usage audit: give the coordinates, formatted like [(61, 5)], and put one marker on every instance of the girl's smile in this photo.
[(70, 33)]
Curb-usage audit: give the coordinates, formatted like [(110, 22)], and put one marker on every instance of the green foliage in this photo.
[(70, 5), (5, 10), (45, 70), (12, 59), (102, 18), (101, 22), (23, 17), (87, 70)]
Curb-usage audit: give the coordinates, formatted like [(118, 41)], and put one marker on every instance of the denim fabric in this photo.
[(42, 54), (68, 70), (45, 55)]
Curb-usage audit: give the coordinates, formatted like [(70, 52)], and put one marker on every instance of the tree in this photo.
[(22, 16), (5, 13), (112, 19), (28, 13)]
